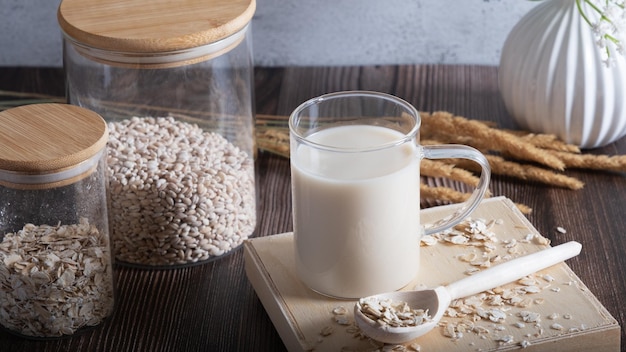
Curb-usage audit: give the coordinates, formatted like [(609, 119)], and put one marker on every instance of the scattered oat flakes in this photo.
[(451, 312), (480, 330), (560, 229), (476, 235), (531, 289), (576, 329), (523, 303), (495, 300), (506, 339), (340, 310), (468, 257), (471, 271), (429, 240), (512, 250), (489, 247), (527, 281), (474, 301), (541, 240), (457, 239), (450, 330), (556, 326), (495, 315), (415, 347), (530, 317), (482, 263), (510, 243)]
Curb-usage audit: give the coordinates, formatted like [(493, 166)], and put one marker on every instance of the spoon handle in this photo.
[(513, 270)]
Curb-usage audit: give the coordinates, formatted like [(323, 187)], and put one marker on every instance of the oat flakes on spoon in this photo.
[(402, 316)]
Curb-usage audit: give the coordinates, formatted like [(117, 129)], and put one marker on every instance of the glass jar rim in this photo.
[(56, 178), (410, 110), (159, 59)]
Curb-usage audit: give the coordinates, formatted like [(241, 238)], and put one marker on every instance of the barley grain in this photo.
[(172, 180)]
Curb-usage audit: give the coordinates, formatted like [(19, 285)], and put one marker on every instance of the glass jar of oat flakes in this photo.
[(174, 82), (56, 277)]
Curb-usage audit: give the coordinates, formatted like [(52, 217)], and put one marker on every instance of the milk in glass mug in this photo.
[(355, 171)]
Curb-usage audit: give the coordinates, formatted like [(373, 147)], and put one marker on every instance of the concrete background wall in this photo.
[(315, 32)]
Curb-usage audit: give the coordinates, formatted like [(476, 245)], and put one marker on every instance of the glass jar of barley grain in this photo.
[(174, 82), (56, 277)]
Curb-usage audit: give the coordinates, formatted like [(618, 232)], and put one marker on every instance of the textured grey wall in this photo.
[(315, 32)]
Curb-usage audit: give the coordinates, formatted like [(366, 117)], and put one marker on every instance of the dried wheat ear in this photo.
[(526, 156)]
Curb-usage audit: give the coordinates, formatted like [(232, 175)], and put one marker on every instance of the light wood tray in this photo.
[(300, 314)]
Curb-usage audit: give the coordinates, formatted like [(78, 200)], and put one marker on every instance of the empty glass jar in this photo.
[(174, 82)]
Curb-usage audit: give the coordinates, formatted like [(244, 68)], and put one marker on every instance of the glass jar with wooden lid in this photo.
[(174, 80), (56, 276)]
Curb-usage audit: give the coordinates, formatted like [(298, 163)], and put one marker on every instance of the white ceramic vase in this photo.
[(553, 79)]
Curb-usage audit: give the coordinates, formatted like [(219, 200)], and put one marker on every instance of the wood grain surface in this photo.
[(212, 307)]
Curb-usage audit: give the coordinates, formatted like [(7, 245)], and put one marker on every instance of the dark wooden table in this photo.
[(212, 307)]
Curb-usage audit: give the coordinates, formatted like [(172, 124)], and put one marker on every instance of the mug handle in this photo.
[(446, 151)]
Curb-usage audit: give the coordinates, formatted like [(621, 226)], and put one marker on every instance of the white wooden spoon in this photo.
[(437, 300)]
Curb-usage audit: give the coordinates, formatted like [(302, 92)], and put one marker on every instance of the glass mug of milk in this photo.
[(355, 171)]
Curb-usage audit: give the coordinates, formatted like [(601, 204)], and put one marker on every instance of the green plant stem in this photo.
[(582, 13)]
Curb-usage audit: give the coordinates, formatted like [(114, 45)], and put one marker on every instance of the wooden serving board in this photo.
[(300, 315)]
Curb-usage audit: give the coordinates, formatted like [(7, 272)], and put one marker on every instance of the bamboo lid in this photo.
[(48, 139), (152, 26)]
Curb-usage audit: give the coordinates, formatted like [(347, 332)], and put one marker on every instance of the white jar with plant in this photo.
[(563, 71)]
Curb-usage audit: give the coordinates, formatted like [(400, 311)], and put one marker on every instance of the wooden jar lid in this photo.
[(152, 26), (48, 140)]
